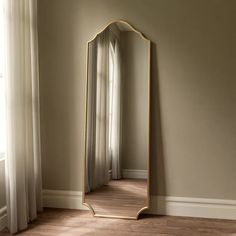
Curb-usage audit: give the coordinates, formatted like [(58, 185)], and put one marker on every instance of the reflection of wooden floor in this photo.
[(120, 197)]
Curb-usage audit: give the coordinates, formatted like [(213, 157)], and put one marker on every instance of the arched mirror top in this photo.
[(122, 26)]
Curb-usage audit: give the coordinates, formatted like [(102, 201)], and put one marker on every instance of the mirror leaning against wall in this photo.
[(116, 181)]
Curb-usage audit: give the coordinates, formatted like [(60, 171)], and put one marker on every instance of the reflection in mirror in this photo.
[(117, 123)]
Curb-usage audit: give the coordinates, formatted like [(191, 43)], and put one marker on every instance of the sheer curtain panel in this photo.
[(23, 156)]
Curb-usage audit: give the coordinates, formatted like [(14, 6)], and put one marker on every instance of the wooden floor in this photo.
[(123, 197), (81, 223)]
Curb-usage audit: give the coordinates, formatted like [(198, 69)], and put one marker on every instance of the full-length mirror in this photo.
[(117, 122)]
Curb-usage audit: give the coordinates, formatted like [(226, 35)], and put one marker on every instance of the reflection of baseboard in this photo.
[(160, 205), (134, 174), (110, 174), (3, 217), (193, 207)]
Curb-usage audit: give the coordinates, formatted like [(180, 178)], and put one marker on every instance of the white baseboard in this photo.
[(3, 218), (160, 205), (193, 207), (134, 174), (63, 199)]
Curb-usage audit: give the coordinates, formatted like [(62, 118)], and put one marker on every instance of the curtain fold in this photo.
[(115, 126), (23, 155)]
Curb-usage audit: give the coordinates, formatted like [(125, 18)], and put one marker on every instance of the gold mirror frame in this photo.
[(85, 133)]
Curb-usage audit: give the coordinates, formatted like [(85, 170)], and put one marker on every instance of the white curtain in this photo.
[(23, 157), (115, 111)]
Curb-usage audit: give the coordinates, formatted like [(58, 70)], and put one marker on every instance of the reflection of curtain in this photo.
[(23, 170), (115, 128), (97, 129), (103, 114)]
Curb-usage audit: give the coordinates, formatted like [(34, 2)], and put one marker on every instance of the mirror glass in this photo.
[(117, 123)]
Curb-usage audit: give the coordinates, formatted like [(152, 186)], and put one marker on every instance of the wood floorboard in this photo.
[(59, 222)]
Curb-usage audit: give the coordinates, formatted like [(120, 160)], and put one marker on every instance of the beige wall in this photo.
[(2, 184), (135, 101), (193, 129)]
